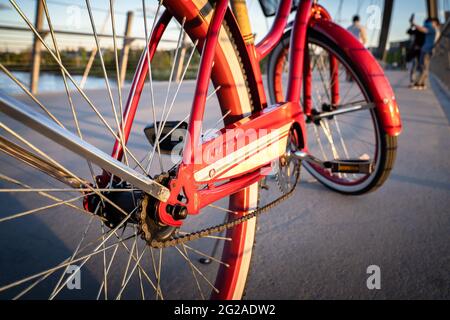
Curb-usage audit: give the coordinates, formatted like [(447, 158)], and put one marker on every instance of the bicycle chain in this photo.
[(182, 239)]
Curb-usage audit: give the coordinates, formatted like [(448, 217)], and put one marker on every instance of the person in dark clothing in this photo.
[(413, 56), (431, 30)]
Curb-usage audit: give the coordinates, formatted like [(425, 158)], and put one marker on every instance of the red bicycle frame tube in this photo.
[(265, 46), (138, 82), (307, 88), (317, 13), (334, 77), (297, 50), (204, 76)]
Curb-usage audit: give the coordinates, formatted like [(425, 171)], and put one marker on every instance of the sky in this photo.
[(72, 15)]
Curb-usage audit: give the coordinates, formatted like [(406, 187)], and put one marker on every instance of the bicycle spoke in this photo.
[(165, 115), (318, 139), (69, 173), (36, 210), (159, 272), (130, 255), (207, 256), (180, 36), (75, 253), (131, 274), (166, 136), (212, 129), (83, 94), (172, 104), (222, 209), (105, 75), (96, 250), (193, 271), (66, 87), (352, 127), (113, 255), (329, 136), (43, 194), (29, 288), (51, 270), (90, 62), (214, 93), (146, 276), (116, 65), (58, 61), (150, 76), (105, 279), (197, 270), (343, 144), (139, 269), (28, 92)]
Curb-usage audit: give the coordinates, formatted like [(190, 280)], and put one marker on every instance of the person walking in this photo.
[(414, 52), (431, 30), (359, 32)]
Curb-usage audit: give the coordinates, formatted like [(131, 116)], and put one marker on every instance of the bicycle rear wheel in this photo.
[(356, 136), (115, 262)]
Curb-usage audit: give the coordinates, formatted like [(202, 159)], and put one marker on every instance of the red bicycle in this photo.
[(158, 193)]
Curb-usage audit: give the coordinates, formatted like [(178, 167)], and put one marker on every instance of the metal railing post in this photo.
[(433, 8), (179, 63), (36, 50), (387, 15), (126, 47)]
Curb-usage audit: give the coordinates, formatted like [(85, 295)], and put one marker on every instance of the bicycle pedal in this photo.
[(350, 166), (171, 135)]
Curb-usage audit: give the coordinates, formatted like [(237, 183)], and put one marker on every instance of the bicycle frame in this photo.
[(276, 121), (233, 171)]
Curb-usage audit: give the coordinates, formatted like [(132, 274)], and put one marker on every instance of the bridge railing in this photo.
[(440, 63), (27, 53)]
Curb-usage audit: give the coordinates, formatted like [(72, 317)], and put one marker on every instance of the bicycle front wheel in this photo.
[(335, 82), (97, 226)]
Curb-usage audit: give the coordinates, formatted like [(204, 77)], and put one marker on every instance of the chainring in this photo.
[(149, 228), (288, 171)]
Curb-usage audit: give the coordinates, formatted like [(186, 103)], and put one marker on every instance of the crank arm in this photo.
[(27, 116), (338, 166)]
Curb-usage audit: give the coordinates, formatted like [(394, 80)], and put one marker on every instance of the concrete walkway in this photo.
[(319, 244)]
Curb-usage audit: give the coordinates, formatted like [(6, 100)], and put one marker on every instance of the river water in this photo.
[(48, 82)]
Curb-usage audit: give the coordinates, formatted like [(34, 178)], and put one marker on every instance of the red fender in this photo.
[(370, 71)]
